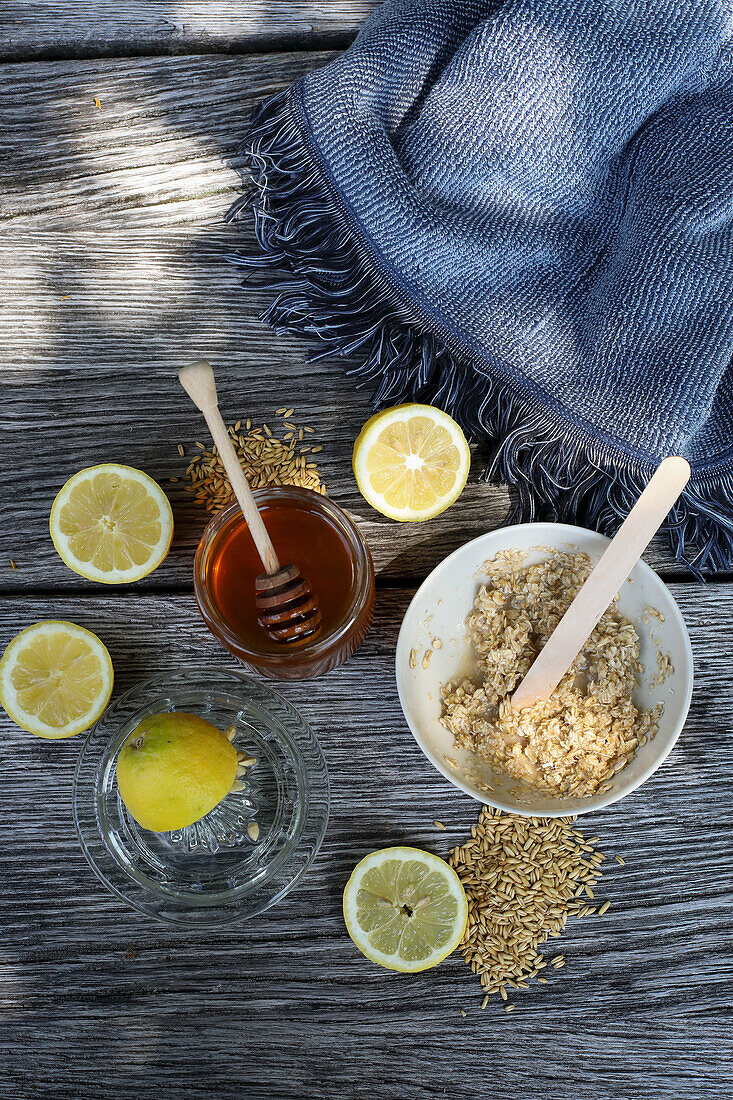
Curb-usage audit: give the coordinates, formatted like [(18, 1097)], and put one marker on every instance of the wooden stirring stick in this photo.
[(287, 607), (612, 569)]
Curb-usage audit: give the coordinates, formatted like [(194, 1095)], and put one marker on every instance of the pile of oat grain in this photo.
[(265, 458), (523, 878)]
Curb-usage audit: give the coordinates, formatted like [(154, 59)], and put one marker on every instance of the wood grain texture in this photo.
[(161, 149), (85, 415), (284, 1007), (44, 29)]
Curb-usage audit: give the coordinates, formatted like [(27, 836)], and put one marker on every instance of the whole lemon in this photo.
[(173, 769)]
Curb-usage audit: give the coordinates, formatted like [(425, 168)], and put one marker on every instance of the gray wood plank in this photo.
[(160, 149), (284, 1007), (44, 29), (115, 273), (93, 304), (99, 384), (95, 326)]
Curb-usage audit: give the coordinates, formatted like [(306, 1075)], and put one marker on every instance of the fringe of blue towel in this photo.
[(329, 290)]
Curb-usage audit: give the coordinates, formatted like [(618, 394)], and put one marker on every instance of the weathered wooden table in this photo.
[(113, 276)]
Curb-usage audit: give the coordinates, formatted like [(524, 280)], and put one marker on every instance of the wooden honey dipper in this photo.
[(287, 608)]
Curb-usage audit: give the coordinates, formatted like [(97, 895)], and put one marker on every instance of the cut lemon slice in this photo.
[(405, 909), (112, 523), (55, 679), (411, 462)]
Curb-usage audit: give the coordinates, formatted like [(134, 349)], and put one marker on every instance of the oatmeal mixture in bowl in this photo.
[(573, 743)]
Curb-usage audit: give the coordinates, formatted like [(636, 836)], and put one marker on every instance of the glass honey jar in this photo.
[(311, 532)]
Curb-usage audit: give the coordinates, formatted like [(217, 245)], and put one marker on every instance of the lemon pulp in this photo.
[(405, 909), (111, 523), (55, 679), (411, 462)]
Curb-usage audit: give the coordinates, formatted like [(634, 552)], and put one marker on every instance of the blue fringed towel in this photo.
[(523, 211)]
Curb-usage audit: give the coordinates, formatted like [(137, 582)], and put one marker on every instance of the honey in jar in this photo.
[(320, 539)]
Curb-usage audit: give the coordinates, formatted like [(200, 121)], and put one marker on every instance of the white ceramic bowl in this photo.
[(439, 609)]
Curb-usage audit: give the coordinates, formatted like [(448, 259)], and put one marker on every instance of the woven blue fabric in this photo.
[(523, 210)]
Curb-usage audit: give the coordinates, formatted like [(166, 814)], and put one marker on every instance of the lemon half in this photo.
[(411, 462), (405, 909), (112, 523), (55, 679)]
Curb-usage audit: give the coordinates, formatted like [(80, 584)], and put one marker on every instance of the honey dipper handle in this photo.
[(610, 572), (198, 382)]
